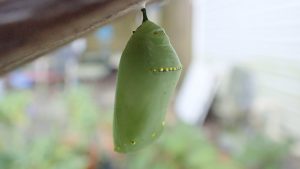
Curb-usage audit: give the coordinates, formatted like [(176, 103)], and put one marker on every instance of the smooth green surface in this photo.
[(142, 95)]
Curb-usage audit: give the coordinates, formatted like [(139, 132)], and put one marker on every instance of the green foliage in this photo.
[(83, 113), (13, 106), (181, 147), (46, 153), (23, 149), (260, 152)]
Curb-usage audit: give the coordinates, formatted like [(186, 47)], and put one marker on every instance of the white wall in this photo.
[(240, 29), (262, 36)]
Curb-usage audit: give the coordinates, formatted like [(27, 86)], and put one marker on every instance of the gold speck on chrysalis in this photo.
[(133, 142)]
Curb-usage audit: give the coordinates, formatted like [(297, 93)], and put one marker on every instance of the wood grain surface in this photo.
[(31, 28)]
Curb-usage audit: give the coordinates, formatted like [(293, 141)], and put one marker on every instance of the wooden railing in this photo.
[(31, 28)]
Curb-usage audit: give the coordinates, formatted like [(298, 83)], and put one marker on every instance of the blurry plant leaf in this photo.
[(181, 147), (260, 152)]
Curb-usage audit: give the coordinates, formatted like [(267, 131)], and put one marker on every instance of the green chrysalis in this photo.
[(148, 73)]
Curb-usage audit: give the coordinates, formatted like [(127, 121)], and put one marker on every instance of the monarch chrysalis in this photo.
[(148, 73)]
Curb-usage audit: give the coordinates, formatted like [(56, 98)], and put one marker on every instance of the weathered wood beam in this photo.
[(31, 28)]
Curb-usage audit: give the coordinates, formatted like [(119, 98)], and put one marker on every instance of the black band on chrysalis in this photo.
[(145, 18)]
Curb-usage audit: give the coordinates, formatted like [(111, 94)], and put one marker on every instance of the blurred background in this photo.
[(237, 105)]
